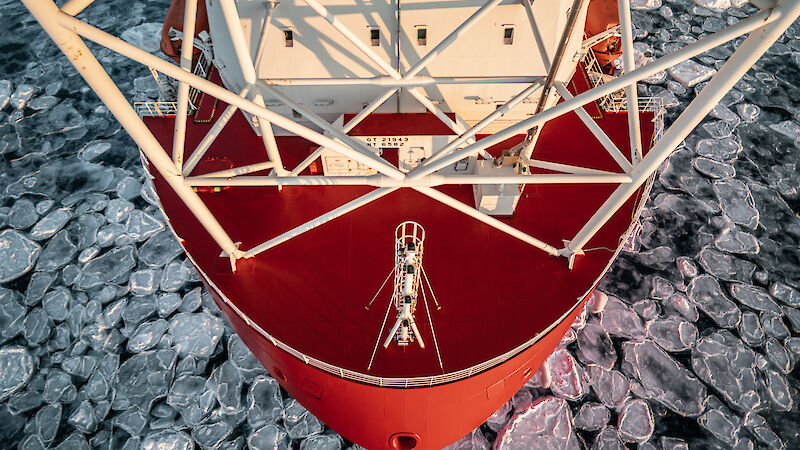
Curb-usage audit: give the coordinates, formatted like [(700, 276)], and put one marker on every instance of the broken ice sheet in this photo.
[(16, 369), (18, 254), (565, 375), (592, 417), (635, 421), (546, 424), (689, 73), (195, 334), (671, 334), (595, 346)]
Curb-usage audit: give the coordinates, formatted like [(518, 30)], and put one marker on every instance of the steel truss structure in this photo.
[(764, 27)]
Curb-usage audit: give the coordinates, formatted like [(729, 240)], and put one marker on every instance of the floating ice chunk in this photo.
[(758, 426), (690, 73), (713, 169), (51, 224), (793, 315), (778, 390), (22, 214), (46, 422), (58, 387), (141, 226), (24, 401), (174, 276), (565, 375), (667, 97), (12, 315), (719, 149), (85, 228), (211, 435), (500, 417), (195, 334), (147, 335), (592, 417), (299, 422), (168, 304), (635, 421), (773, 325), (265, 402), (726, 364), (37, 326), (58, 252), (138, 309), (754, 297), (645, 5), (6, 88), (93, 149), (646, 309), (619, 320), (16, 369), (787, 128), (167, 439), (326, 442), (118, 210), (144, 282), (132, 421), (128, 188), (686, 267), (143, 379), (268, 437), (721, 424), (778, 355), (116, 264), (661, 288), (226, 382), (244, 359), (714, 5), (668, 382), (21, 96), (160, 249), (18, 254), (192, 300), (724, 113), (546, 424), (658, 258), (671, 334), (748, 112), (608, 439), (680, 304), (724, 266), (785, 294), (717, 129), (595, 347), (146, 36), (672, 443), (56, 303), (737, 202), (109, 234), (737, 241), (475, 440), (83, 418), (750, 329), (43, 102), (611, 387)]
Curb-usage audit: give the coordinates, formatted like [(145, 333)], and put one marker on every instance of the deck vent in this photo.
[(375, 37), (508, 35), (288, 38), (422, 36), (403, 441)]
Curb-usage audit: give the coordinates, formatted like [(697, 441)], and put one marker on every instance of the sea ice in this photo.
[(47, 421), (737, 202), (132, 421), (592, 417), (761, 430), (611, 387), (726, 364), (174, 276), (22, 215), (93, 150), (707, 294), (608, 439), (595, 346), (671, 334), (195, 334), (144, 378), (778, 355), (160, 249), (719, 149), (58, 387), (750, 329), (690, 73), (748, 112), (265, 404), (144, 282), (56, 303), (37, 326), (16, 369), (472, 441), (754, 297), (147, 335), (168, 303), (18, 254), (736, 241), (141, 226), (211, 435), (668, 381), (565, 375), (83, 418), (721, 424), (713, 169), (546, 424), (12, 315), (269, 437), (619, 320), (167, 439), (778, 390), (773, 325), (725, 267), (59, 251), (499, 418), (635, 421), (680, 304), (785, 294), (299, 422), (113, 265), (50, 224), (244, 359), (226, 382)]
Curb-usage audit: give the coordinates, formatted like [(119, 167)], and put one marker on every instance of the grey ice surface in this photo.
[(108, 340)]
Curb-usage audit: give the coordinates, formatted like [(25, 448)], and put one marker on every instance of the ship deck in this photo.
[(496, 292)]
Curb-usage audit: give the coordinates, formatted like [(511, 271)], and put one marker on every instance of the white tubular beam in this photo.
[(212, 134), (428, 104), (325, 125), (215, 90), (737, 65), (629, 65), (262, 40), (243, 170), (47, 13), (251, 181), (487, 219), (325, 14), (310, 225), (387, 81), (74, 7), (598, 38), (554, 178), (234, 25), (181, 115), (486, 121), (598, 132), (537, 35), (565, 168), (703, 44), (459, 31)]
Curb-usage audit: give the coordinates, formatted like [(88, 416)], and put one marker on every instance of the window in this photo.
[(375, 37), (288, 39), (422, 36), (508, 36)]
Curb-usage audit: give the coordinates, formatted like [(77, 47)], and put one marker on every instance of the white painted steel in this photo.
[(48, 15), (238, 171), (598, 132), (219, 92), (537, 35), (701, 45), (728, 75), (598, 38), (187, 50), (387, 81), (631, 95), (74, 7)]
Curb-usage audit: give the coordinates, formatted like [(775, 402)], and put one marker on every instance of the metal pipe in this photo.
[(237, 171), (387, 81), (487, 219), (182, 113), (428, 104), (703, 44), (49, 16), (598, 132), (728, 75), (321, 220), (215, 90), (460, 30), (74, 7), (262, 41), (537, 35), (631, 95)]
